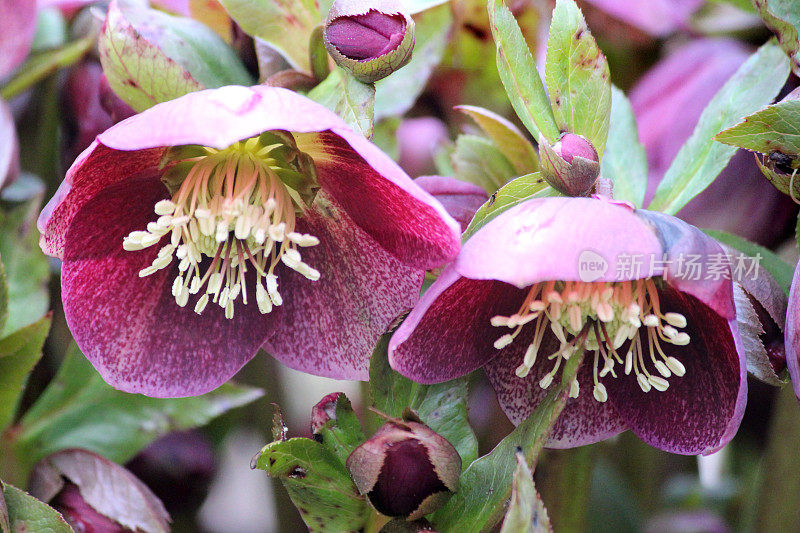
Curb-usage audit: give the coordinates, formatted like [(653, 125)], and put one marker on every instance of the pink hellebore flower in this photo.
[(792, 332), (663, 353), (205, 227), (19, 25), (460, 198)]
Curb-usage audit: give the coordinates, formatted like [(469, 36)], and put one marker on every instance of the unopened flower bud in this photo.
[(80, 515), (571, 165), (405, 469), (324, 411), (369, 38), (399, 525)]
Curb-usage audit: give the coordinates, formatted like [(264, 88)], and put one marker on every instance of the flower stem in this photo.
[(566, 488)]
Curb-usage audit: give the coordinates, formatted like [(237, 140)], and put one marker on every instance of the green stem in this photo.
[(566, 488), (41, 66), (778, 490)]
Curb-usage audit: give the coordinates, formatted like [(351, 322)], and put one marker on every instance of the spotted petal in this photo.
[(130, 328), (329, 327), (700, 411)]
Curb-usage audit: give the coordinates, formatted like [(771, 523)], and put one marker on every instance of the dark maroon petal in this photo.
[(459, 198), (130, 328), (685, 245), (700, 411), (448, 334), (583, 421), (382, 200), (329, 327), (95, 169), (792, 332)]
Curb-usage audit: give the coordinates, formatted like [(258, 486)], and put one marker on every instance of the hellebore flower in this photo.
[(663, 353), (656, 17), (418, 140), (370, 39), (199, 230), (668, 101), (460, 198), (19, 25), (792, 332), (571, 165), (9, 146)]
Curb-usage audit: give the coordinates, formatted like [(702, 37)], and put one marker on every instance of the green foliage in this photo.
[(19, 353), (342, 433), (783, 18), (519, 75), (624, 161), (151, 57), (701, 158), (26, 513), (284, 24), (442, 407), (512, 193), (507, 138), (318, 483), (578, 80), (526, 512), (774, 128), (777, 267), (349, 98), (395, 94), (478, 160), (79, 410), (485, 486)]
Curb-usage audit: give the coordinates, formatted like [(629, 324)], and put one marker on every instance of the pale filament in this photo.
[(599, 317), (233, 208)]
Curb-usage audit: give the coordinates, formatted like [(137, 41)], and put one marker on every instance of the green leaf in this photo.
[(774, 128), (3, 295), (342, 433), (485, 486), (783, 18), (285, 24), (526, 512), (396, 93), (442, 407), (511, 142), (777, 267), (512, 193), (519, 75), (27, 270), (19, 353), (151, 57), (701, 159), (349, 98), (26, 513), (79, 410), (624, 161), (318, 484), (478, 160), (578, 80)]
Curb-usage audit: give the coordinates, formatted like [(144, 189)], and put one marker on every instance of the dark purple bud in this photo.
[(571, 165), (178, 468), (371, 39), (405, 469), (399, 525), (80, 515), (324, 411)]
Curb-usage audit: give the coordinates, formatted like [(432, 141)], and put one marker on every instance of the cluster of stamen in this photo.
[(600, 318), (233, 208)]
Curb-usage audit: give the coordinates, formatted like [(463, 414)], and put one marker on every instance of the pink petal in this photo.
[(656, 17), (19, 25), (382, 199), (518, 246), (583, 420), (130, 328), (329, 327), (792, 332), (700, 411), (459, 198), (95, 169), (374, 191), (448, 334), (9, 147)]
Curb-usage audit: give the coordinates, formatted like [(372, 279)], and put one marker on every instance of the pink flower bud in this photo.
[(571, 165)]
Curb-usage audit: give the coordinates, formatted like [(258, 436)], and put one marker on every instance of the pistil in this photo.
[(600, 318), (233, 209)]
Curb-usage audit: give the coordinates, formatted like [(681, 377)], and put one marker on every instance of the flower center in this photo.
[(600, 318), (238, 207)]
